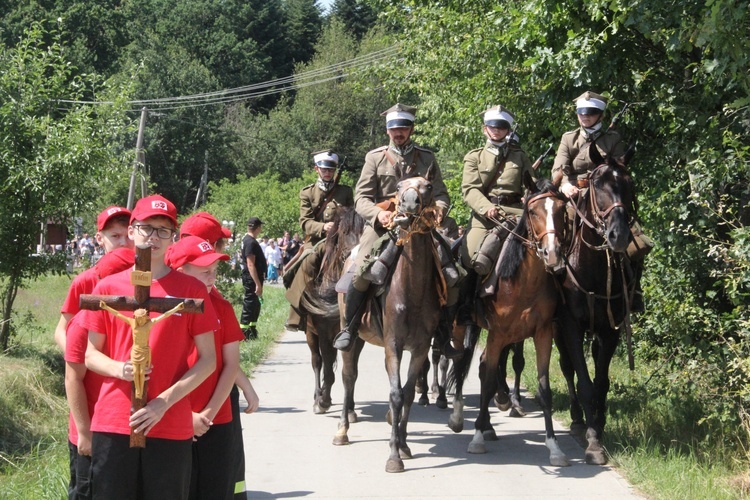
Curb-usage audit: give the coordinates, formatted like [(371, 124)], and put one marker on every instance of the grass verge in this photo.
[(33, 409)]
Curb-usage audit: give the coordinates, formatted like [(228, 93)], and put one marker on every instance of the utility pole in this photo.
[(200, 197), (139, 160)]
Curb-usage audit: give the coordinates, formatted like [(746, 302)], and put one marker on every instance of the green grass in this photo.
[(33, 410), (653, 435)]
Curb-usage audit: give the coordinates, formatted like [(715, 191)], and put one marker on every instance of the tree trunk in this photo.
[(8, 297)]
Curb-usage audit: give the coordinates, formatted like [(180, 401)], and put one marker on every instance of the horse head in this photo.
[(546, 218), (414, 196), (611, 199)]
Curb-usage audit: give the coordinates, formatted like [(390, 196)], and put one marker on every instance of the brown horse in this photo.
[(409, 310), (595, 295), (523, 306), (320, 300)]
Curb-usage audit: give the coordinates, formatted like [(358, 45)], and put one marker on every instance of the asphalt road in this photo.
[(289, 450)]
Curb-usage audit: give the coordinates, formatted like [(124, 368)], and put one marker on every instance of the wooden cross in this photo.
[(141, 280)]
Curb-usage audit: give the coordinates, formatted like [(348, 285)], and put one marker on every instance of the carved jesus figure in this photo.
[(140, 354)]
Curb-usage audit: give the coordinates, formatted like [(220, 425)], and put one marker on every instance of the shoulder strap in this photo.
[(500, 161)]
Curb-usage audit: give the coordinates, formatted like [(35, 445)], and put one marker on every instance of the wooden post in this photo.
[(138, 156)]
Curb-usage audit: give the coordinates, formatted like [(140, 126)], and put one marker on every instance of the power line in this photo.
[(313, 77)]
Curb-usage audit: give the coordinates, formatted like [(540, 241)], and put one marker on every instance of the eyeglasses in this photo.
[(163, 233)]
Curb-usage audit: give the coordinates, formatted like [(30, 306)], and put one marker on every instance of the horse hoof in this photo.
[(477, 448), (596, 457), (340, 440), (504, 404), (318, 410), (441, 403), (394, 465), (404, 452), (559, 461), (389, 418), (517, 412), (423, 401), (352, 416), (456, 425), (489, 435)]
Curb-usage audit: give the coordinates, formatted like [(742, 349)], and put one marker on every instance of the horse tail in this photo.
[(513, 250), (460, 368)]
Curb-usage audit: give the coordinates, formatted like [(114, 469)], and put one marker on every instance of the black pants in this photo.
[(213, 472), (79, 487), (250, 304), (160, 470), (238, 446)]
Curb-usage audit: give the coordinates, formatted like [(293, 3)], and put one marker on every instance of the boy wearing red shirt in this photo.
[(212, 472), (111, 233), (82, 386), (162, 468)]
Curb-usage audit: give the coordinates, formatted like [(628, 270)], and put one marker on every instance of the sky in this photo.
[(326, 4)]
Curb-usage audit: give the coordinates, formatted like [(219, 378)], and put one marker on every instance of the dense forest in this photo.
[(246, 90)]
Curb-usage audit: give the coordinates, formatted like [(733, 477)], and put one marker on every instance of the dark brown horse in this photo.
[(409, 310), (595, 295), (523, 306), (320, 300)]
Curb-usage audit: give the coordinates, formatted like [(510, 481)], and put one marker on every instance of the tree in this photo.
[(303, 27), (51, 160), (357, 15)]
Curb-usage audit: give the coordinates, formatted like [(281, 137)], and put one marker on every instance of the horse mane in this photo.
[(320, 297), (513, 251)]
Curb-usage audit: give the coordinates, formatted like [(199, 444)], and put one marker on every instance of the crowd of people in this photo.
[(187, 365)]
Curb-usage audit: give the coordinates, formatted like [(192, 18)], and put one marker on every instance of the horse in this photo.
[(523, 306), (320, 300), (409, 310), (595, 295)]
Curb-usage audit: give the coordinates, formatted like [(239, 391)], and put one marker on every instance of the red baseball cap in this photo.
[(108, 213), (204, 225), (115, 261), (154, 206), (192, 250)]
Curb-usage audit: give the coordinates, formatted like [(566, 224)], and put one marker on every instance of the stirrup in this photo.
[(344, 340)]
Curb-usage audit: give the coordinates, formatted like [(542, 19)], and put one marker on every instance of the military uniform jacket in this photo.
[(572, 160), (310, 198), (379, 178), (480, 169)]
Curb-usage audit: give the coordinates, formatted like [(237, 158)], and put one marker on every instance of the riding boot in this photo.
[(445, 330), (466, 298), (447, 264), (355, 308), (378, 272)]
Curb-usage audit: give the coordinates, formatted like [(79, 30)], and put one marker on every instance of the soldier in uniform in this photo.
[(492, 187), (318, 204), (572, 164), (383, 169)]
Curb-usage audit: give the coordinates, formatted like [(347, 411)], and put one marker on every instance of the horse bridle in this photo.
[(599, 226)]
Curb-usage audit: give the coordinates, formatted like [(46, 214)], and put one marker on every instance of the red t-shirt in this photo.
[(75, 352), (83, 283), (229, 331), (170, 340)]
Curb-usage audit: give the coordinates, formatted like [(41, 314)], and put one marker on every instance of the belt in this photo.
[(505, 199)]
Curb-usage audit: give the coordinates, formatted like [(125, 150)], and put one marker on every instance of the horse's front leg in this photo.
[(415, 371), (502, 397), (607, 344), (460, 369), (349, 373), (329, 354), (441, 401), (313, 343), (396, 399), (488, 369), (543, 347), (577, 425)]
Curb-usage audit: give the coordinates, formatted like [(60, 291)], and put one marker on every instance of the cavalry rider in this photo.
[(383, 169), (573, 165), (492, 187), (318, 204)]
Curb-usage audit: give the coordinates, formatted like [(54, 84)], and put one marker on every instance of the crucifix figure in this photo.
[(140, 354), (142, 303)]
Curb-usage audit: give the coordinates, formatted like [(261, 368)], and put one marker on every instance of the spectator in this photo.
[(274, 260)]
